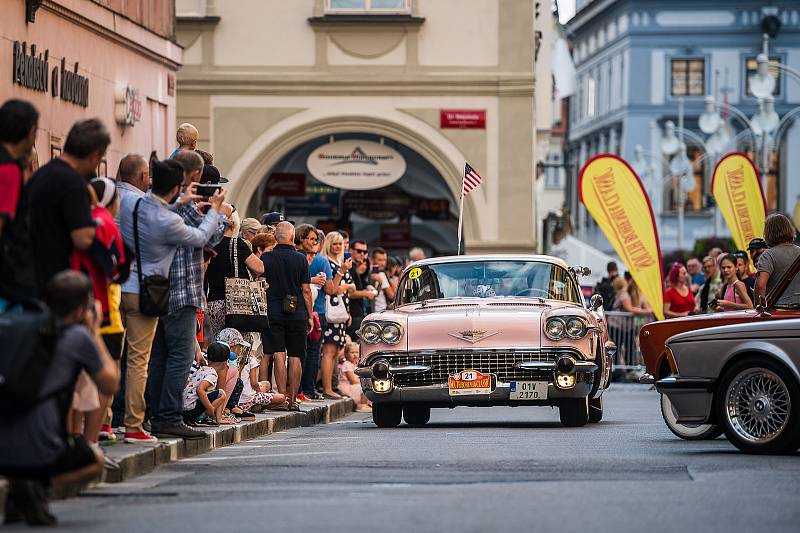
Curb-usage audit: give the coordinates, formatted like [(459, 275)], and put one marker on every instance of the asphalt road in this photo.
[(470, 469)]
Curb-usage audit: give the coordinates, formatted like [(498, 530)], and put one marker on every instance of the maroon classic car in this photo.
[(653, 338)]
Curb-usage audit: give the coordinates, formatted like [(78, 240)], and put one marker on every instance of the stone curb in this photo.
[(140, 459)]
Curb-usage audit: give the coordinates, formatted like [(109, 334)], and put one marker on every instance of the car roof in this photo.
[(489, 257)]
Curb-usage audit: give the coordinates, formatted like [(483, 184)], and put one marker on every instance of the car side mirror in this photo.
[(580, 271), (595, 302)]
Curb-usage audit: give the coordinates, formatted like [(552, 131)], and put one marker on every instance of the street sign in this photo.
[(462, 118)]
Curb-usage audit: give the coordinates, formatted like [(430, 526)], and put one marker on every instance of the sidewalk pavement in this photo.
[(139, 459)]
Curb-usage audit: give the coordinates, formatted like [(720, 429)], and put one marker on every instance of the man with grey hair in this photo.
[(416, 254), (186, 137), (290, 311), (192, 163)]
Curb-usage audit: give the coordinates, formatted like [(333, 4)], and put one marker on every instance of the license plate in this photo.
[(528, 390), (469, 382)]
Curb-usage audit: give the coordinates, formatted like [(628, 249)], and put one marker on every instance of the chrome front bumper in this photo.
[(690, 397), (439, 395)]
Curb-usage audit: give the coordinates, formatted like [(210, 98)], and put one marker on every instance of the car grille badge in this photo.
[(473, 335)]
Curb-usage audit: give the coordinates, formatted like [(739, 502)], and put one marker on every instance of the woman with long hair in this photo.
[(678, 299), (334, 335), (732, 295)]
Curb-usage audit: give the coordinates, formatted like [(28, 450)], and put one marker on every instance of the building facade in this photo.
[(282, 91), (112, 59), (639, 61)]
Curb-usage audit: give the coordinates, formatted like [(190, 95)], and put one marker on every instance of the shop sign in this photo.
[(396, 236), (127, 106), (432, 208), (319, 201), (286, 184), (382, 204), (356, 164), (463, 118), (33, 72)]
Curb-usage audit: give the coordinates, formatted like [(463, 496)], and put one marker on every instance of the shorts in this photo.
[(78, 454), (114, 343), (194, 413), (286, 336)]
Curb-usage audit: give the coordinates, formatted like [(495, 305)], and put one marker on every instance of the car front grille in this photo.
[(443, 363)]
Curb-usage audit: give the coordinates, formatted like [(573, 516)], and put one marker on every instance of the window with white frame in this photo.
[(368, 6)]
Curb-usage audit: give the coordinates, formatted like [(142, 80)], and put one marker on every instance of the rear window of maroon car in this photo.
[(488, 279)]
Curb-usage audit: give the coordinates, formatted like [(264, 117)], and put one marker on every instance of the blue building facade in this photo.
[(638, 61)]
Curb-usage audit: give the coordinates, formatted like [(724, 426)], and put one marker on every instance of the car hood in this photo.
[(474, 324)]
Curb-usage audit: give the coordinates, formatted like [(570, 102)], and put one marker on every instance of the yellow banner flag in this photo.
[(738, 194), (616, 199)]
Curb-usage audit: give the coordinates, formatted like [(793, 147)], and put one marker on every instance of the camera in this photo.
[(207, 190)]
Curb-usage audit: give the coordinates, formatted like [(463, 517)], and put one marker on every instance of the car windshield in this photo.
[(488, 279)]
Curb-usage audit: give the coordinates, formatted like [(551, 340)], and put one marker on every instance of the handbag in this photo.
[(153, 290), (245, 298), (335, 309), (316, 332)]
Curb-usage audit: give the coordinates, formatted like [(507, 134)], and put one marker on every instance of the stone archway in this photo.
[(266, 150)]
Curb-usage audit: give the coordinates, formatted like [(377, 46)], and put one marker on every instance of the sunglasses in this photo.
[(357, 251)]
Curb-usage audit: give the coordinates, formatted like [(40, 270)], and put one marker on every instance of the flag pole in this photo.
[(460, 218)]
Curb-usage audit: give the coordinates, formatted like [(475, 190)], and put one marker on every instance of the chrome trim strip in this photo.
[(536, 365), (408, 369)]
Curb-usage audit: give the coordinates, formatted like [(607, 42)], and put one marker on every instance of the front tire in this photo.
[(387, 415), (574, 412), (416, 415), (754, 403), (684, 431), (596, 410)]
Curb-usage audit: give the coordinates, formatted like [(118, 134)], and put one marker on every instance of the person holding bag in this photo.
[(156, 234), (234, 259), (337, 314)]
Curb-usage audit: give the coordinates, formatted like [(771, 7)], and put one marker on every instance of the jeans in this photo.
[(170, 362), (309, 380)]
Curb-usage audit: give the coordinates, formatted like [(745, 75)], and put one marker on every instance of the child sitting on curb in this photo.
[(349, 383), (256, 395), (203, 403)]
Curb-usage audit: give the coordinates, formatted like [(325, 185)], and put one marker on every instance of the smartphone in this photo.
[(347, 255), (713, 304), (207, 190), (376, 269)]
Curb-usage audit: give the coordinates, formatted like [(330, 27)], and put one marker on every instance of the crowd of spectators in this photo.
[(719, 282), (131, 272)]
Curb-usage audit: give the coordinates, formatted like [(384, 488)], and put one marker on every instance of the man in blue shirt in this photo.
[(319, 268), (290, 311)]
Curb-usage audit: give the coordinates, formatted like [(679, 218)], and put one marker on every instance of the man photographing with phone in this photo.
[(381, 281)]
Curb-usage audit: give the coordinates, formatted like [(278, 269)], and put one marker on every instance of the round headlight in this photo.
[(576, 328), (371, 333), (555, 329), (391, 334)]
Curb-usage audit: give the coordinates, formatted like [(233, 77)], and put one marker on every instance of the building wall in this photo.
[(625, 48), (112, 52), (262, 77)]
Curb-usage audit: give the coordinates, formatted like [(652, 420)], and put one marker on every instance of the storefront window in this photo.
[(380, 6)]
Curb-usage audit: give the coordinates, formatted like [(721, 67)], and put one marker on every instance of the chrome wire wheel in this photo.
[(758, 405)]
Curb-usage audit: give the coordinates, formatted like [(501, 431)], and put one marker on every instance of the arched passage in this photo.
[(270, 147)]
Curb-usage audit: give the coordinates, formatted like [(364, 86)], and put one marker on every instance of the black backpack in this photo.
[(606, 289), (27, 347)]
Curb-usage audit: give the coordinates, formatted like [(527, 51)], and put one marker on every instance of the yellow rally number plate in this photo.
[(469, 382)]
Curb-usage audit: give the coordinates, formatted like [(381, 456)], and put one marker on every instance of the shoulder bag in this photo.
[(335, 309), (245, 298), (153, 290)]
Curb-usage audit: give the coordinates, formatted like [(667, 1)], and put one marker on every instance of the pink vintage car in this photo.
[(482, 331)]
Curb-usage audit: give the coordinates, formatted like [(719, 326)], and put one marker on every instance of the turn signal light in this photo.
[(565, 381), (382, 385)]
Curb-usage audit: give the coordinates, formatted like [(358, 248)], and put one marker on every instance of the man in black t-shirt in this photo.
[(286, 272), (59, 203), (359, 299)]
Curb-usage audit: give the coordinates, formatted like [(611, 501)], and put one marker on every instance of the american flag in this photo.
[(471, 179)]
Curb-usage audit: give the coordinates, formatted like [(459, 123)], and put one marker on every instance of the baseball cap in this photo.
[(211, 175), (270, 219), (757, 244), (232, 337)]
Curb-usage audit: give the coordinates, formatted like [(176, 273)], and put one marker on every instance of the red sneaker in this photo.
[(106, 433), (302, 398), (139, 437)]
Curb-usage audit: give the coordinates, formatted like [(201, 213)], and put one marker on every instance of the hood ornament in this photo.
[(473, 335)]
